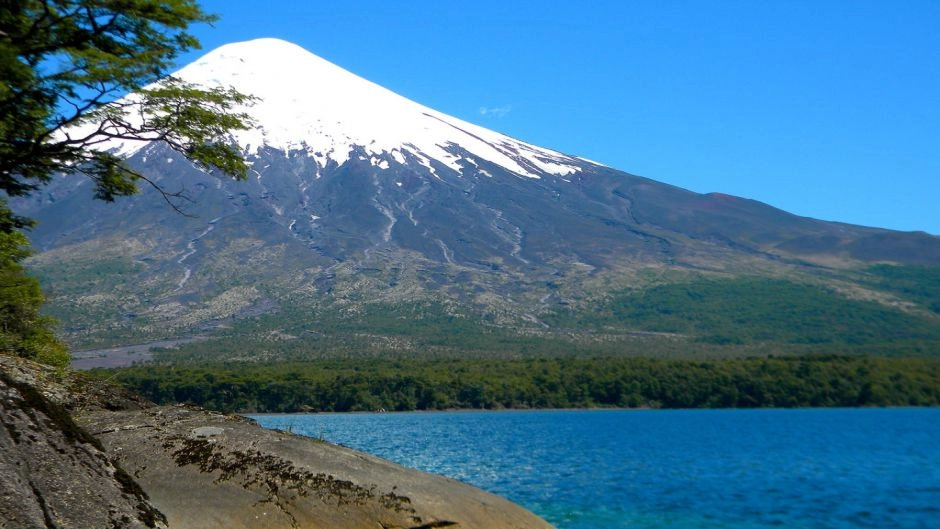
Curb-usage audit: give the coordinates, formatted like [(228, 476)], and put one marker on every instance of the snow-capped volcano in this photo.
[(307, 103), (362, 203)]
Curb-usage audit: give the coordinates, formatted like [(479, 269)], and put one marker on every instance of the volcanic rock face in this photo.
[(187, 468), (52, 473)]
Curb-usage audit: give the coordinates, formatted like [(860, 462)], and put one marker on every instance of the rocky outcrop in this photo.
[(76, 453), (52, 472)]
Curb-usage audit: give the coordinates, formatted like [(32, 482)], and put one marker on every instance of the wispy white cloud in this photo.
[(497, 112)]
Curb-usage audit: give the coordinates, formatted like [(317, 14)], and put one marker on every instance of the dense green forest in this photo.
[(369, 385), (749, 310), (695, 342), (920, 284)]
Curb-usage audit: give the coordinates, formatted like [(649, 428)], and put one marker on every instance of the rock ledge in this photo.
[(75, 452)]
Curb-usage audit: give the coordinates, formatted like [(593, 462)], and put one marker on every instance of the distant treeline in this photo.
[(368, 385)]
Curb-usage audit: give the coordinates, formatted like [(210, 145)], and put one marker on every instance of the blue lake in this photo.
[(734, 469)]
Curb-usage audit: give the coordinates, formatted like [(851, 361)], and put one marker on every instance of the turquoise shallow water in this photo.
[(734, 469)]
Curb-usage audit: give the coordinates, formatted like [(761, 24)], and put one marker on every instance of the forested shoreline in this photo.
[(405, 385)]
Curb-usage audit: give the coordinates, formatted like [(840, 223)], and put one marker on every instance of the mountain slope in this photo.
[(363, 207)]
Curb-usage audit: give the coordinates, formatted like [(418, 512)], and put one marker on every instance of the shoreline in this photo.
[(553, 410)]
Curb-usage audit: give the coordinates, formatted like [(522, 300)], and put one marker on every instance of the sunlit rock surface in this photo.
[(76, 453)]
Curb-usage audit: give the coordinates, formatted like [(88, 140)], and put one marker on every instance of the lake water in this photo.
[(730, 469)]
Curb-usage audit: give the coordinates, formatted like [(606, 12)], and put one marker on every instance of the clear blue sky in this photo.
[(824, 108)]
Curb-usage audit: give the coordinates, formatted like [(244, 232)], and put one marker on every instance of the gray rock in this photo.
[(123, 462), (206, 470), (53, 474)]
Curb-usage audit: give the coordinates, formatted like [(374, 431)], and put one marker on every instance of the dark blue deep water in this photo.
[(809, 468)]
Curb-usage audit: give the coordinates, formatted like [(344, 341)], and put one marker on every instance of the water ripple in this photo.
[(733, 469)]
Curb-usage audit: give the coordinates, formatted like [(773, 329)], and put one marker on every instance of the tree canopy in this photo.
[(67, 68), (23, 330)]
